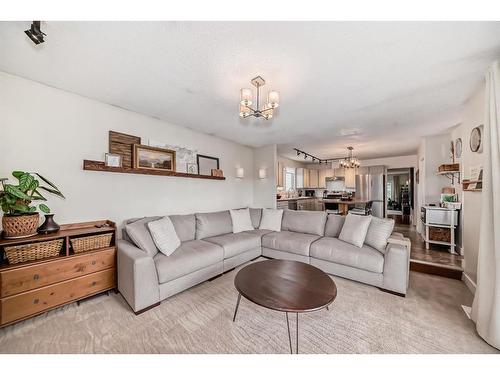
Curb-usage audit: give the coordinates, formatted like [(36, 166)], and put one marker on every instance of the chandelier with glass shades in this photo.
[(350, 161), (246, 101)]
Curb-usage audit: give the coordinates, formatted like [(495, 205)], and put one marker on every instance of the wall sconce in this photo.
[(240, 173), (262, 173)]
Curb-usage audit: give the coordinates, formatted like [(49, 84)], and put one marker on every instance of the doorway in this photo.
[(399, 194)]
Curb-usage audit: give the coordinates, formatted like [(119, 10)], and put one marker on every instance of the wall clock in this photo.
[(476, 136), (458, 148)]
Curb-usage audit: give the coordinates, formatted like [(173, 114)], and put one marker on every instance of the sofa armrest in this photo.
[(137, 276), (397, 265)]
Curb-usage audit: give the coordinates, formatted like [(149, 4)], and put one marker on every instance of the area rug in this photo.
[(362, 319)]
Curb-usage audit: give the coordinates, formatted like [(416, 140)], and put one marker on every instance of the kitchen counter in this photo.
[(294, 199), (340, 201)]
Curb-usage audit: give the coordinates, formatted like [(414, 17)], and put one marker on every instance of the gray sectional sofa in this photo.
[(209, 248)]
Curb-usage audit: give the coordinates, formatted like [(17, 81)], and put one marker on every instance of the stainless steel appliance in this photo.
[(370, 187)]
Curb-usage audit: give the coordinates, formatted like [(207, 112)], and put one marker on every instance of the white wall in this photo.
[(51, 131), (407, 161), (473, 115), (265, 189)]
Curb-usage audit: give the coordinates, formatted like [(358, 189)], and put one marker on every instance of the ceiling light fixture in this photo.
[(350, 161), (273, 100), (347, 162), (35, 34)]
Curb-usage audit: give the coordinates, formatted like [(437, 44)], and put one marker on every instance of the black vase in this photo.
[(49, 225)]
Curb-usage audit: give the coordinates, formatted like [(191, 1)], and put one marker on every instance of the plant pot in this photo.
[(49, 225), (20, 226)]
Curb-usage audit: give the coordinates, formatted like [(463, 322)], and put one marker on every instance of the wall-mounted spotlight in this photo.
[(262, 173), (240, 173), (34, 33)]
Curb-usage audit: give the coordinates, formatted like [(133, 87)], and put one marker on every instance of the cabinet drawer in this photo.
[(35, 301), (26, 278)]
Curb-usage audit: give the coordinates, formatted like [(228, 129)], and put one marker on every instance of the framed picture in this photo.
[(217, 173), (147, 157), (192, 168), (206, 164), (113, 160)]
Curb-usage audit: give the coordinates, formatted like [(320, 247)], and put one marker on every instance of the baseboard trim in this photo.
[(471, 285), (394, 293)]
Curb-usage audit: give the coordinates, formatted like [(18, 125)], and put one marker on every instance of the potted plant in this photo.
[(20, 217)]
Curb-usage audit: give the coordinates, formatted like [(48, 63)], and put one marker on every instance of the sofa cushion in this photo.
[(213, 224), (378, 233), (241, 220), (337, 251), (334, 225), (185, 226), (138, 232), (255, 215), (164, 235), (235, 243), (259, 232), (309, 222), (271, 219), (292, 242), (191, 256), (354, 229)]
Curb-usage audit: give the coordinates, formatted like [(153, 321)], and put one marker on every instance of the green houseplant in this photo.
[(19, 203)]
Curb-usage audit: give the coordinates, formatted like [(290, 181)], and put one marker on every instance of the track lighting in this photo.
[(34, 33)]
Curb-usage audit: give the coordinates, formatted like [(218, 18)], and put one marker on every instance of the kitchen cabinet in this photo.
[(322, 178), (362, 170), (329, 172), (299, 172), (313, 178), (279, 175), (282, 205), (306, 178), (339, 172)]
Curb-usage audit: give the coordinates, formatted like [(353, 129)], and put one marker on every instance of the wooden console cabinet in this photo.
[(31, 288)]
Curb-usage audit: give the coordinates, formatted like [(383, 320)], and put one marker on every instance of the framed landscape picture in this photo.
[(147, 157)]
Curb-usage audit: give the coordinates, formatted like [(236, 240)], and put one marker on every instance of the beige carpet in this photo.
[(361, 320)]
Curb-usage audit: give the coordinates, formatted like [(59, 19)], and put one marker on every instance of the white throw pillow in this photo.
[(164, 235), (271, 219), (241, 220), (355, 229), (378, 233)]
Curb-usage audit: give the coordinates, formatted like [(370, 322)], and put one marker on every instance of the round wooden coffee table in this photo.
[(287, 286)]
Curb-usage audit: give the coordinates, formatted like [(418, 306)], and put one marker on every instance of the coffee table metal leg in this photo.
[(237, 305), (297, 343), (289, 336)]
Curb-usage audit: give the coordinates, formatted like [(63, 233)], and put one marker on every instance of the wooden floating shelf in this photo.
[(467, 183), (93, 165)]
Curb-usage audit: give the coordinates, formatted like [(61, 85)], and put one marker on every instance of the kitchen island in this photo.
[(343, 204)]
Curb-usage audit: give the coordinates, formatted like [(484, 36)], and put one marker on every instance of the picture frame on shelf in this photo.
[(192, 168), (217, 173), (147, 157), (206, 164), (112, 160)]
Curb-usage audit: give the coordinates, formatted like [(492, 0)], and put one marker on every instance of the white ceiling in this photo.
[(377, 86)]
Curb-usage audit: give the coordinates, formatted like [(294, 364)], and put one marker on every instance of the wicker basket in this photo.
[(88, 243), (19, 226), (33, 251)]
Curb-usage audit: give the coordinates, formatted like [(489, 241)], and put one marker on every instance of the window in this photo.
[(289, 178)]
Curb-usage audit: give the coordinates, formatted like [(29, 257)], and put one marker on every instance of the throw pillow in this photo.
[(355, 229), (139, 234), (241, 220), (378, 233), (164, 235), (271, 219)]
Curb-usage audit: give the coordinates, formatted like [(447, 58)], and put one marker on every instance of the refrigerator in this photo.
[(370, 187)]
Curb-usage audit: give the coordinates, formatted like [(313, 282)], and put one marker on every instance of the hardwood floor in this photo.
[(437, 260)]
